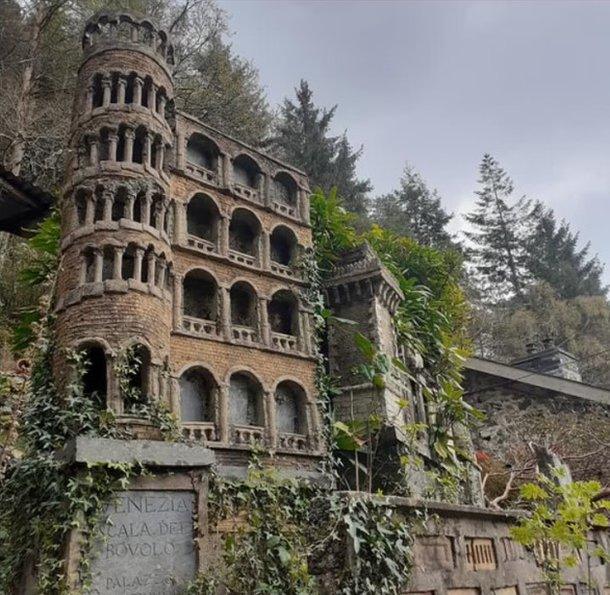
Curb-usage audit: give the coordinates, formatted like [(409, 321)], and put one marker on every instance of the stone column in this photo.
[(162, 272), (161, 105), (129, 205), (264, 330), (108, 199), (181, 144), (147, 150), (265, 255), (307, 334), (129, 138), (180, 230), (117, 270), (158, 164), (151, 268), (138, 83), (113, 140), (106, 91), (90, 209), (304, 205), (89, 99), (94, 154), (225, 222), (225, 312), (160, 220), (177, 305), (151, 99), (122, 84), (301, 340), (268, 191), (146, 207), (270, 418), (134, 33), (227, 171), (98, 265), (137, 264), (223, 412)]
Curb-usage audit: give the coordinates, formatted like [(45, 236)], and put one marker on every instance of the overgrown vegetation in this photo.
[(557, 528)]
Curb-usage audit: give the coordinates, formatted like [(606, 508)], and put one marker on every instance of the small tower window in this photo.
[(283, 313), (283, 245), (245, 401), (244, 232), (203, 152), (200, 296), (285, 189), (243, 305), (197, 390), (290, 408)]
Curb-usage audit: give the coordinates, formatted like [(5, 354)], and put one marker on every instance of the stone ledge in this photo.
[(89, 450)]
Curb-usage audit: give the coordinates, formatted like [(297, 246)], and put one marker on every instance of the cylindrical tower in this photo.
[(115, 283)]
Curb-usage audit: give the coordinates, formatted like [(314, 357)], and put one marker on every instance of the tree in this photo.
[(498, 251), (554, 258), (414, 211), (224, 91), (303, 138), (581, 325)]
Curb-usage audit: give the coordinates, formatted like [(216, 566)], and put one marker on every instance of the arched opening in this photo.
[(135, 377), (99, 206), (98, 93), (290, 403), (156, 211), (119, 204), (129, 87), (89, 256), (120, 148), (244, 232), (285, 189), (200, 296), (243, 305), (81, 206), (197, 396), (245, 401), (283, 313), (138, 145), (128, 264), (246, 171), (145, 92), (202, 151), (94, 379), (283, 244), (149, 256), (108, 263), (202, 218), (104, 146)]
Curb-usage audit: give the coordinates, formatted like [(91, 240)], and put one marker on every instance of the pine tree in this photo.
[(414, 211), (303, 139), (554, 257), (499, 236)]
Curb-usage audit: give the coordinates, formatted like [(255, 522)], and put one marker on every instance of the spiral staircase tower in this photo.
[(115, 282)]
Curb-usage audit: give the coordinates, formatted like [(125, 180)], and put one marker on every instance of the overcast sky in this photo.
[(440, 83)]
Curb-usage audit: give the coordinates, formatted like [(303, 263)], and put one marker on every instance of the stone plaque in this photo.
[(147, 546)]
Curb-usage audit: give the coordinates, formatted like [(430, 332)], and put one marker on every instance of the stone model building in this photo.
[(180, 249), (180, 278)]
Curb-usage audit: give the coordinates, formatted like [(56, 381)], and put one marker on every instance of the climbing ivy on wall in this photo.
[(430, 321)]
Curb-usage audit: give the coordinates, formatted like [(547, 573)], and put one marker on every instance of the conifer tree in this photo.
[(415, 211), (303, 138), (499, 235), (554, 257)]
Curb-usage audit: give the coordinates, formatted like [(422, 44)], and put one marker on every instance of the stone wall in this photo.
[(516, 414)]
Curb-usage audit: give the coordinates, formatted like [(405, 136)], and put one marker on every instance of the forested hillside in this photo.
[(528, 275)]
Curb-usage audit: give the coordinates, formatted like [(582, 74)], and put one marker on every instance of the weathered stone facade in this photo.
[(522, 405), (183, 244), (179, 252)]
